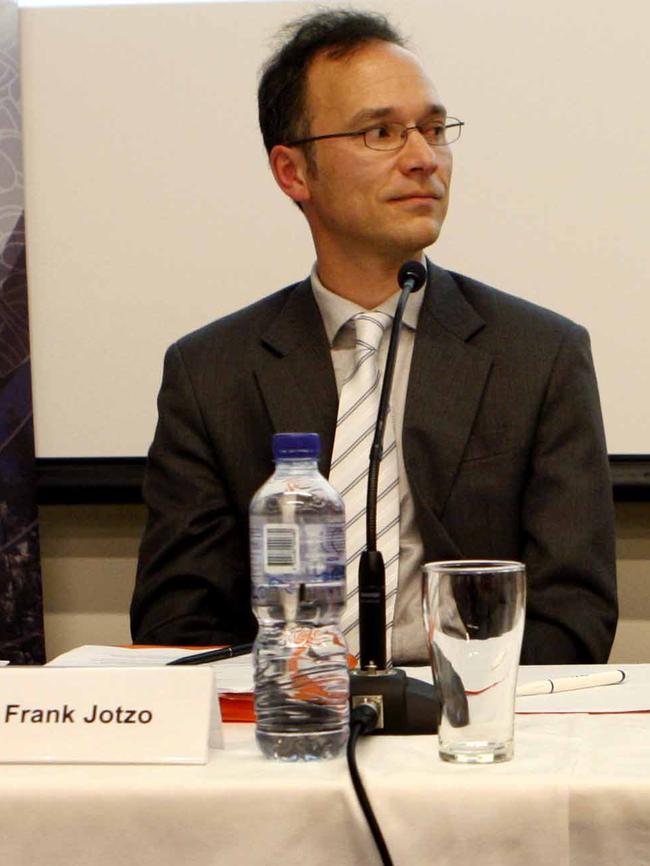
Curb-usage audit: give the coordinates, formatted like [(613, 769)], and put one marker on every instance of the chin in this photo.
[(420, 239)]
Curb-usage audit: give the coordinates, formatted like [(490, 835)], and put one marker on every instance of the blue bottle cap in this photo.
[(301, 446)]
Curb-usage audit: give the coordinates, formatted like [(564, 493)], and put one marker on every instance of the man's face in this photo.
[(361, 201)]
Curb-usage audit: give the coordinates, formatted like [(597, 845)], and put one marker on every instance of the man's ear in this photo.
[(289, 169)]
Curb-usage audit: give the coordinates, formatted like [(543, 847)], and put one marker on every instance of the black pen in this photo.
[(215, 655)]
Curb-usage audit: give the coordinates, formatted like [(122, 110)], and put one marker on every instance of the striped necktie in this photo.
[(355, 427)]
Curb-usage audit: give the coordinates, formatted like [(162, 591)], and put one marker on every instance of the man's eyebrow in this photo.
[(368, 115)]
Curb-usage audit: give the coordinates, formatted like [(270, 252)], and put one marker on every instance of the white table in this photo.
[(578, 792)]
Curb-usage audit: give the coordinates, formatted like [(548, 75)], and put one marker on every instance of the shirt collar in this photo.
[(336, 311)]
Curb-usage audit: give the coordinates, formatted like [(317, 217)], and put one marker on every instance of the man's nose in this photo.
[(417, 154)]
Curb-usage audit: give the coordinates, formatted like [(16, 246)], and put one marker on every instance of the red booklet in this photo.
[(237, 708)]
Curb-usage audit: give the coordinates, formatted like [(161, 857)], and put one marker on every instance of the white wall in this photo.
[(150, 207)]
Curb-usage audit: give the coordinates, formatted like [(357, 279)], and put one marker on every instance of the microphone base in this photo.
[(407, 705)]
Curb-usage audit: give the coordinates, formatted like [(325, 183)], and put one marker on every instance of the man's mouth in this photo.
[(417, 196)]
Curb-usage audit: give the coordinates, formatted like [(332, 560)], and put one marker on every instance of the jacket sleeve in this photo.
[(567, 519), (193, 583)]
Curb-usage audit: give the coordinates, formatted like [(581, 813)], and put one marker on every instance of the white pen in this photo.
[(567, 684)]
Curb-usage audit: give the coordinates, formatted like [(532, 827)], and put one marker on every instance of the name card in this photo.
[(107, 715)]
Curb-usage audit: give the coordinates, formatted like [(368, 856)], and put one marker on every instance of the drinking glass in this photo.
[(474, 614)]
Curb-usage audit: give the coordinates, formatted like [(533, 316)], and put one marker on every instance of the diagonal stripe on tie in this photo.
[(354, 445), (342, 418), (361, 513)]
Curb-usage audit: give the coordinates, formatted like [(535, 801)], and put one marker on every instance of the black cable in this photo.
[(363, 720)]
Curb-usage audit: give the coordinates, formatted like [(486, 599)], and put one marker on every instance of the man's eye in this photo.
[(434, 131), (380, 133)]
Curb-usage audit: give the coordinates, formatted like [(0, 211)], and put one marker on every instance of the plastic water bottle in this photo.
[(297, 526)]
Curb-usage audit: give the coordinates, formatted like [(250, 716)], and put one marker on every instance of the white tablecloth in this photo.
[(577, 792)]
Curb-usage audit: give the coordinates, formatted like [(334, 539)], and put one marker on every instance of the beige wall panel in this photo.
[(90, 553)]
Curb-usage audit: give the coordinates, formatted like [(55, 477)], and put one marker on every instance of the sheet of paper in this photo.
[(630, 696), (232, 675)]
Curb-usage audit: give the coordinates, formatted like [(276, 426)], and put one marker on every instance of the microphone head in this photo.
[(412, 275)]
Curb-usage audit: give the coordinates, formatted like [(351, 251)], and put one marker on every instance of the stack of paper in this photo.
[(233, 677)]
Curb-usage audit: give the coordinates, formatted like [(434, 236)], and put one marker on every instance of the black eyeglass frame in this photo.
[(455, 123)]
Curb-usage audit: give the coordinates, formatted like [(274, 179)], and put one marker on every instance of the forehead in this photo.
[(378, 75)]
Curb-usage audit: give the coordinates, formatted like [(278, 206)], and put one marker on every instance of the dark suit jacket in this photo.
[(503, 445)]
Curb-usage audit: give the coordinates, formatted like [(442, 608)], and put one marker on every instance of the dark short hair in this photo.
[(281, 93)]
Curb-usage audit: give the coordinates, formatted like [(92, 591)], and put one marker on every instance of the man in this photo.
[(500, 447)]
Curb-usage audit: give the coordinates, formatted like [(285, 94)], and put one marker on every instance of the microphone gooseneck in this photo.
[(372, 580), (405, 705), (411, 277)]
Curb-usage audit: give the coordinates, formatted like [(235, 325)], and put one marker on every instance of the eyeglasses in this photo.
[(392, 136)]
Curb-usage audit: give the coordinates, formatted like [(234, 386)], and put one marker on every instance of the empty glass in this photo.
[(474, 614)]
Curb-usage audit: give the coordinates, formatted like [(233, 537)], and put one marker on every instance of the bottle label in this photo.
[(281, 548)]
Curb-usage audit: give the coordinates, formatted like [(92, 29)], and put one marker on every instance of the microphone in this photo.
[(412, 276), (405, 705)]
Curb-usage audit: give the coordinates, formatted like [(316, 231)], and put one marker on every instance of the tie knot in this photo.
[(370, 329)]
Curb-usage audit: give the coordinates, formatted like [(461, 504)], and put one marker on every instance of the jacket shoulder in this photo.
[(501, 309), (237, 329)]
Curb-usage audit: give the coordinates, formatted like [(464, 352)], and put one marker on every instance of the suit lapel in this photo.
[(296, 378), (448, 376)]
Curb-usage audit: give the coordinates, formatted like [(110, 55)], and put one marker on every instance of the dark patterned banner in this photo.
[(21, 606)]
